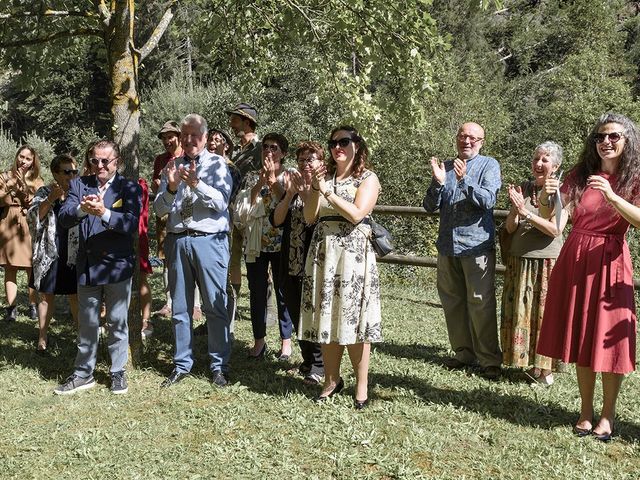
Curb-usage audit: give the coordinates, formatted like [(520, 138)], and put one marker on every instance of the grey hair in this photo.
[(552, 149), (195, 119)]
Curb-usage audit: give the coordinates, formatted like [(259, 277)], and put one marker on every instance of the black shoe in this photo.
[(74, 384), (452, 363), (491, 373), (200, 330), (219, 379), (33, 311), (260, 354), (603, 437), (337, 389), (119, 383), (582, 432), (10, 315), (175, 377), (360, 404)]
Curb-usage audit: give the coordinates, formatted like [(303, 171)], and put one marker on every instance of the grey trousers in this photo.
[(116, 297), (466, 286)]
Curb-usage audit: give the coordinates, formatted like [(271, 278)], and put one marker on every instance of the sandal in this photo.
[(312, 379)]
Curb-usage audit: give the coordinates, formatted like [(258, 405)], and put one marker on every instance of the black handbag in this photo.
[(381, 239)]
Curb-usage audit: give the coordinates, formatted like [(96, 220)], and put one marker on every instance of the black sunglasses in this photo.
[(342, 142), (70, 171), (103, 161), (614, 137), (274, 147)]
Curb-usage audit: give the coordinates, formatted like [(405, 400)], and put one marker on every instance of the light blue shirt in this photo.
[(466, 207), (210, 197)]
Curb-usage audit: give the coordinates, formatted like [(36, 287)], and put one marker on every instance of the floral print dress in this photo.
[(341, 286)]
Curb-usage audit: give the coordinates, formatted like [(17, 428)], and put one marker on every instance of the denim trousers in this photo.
[(201, 261)]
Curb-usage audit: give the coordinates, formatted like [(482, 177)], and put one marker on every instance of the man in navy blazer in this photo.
[(107, 206)]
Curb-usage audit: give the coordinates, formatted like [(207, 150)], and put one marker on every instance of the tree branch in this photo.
[(54, 36), (104, 12), (49, 13), (155, 37)]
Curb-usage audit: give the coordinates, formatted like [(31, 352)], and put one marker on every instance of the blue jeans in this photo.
[(202, 261), (116, 299), (258, 276)]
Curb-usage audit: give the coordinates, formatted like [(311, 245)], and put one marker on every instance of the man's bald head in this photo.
[(469, 140)]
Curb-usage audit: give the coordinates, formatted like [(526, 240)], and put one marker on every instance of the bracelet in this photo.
[(327, 194), (314, 188)]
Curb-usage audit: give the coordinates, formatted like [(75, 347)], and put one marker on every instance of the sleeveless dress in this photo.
[(340, 286), (589, 318)]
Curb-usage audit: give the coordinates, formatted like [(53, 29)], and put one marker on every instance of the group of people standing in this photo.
[(303, 232), (561, 303), (305, 236)]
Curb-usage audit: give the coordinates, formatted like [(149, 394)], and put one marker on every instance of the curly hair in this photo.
[(33, 173), (313, 147), (589, 162), (361, 159)]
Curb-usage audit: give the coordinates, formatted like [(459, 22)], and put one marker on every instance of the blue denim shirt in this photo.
[(466, 207)]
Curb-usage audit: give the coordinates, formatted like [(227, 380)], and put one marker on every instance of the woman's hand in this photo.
[(551, 186), (517, 199), (55, 193), (268, 173), (602, 184), (318, 182)]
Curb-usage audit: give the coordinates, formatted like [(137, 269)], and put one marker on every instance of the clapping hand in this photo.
[(517, 199), (172, 174), (55, 193), (318, 182), (460, 167), (438, 170), (93, 205), (188, 174)]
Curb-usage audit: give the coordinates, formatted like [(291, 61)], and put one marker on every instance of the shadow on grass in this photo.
[(414, 351), (511, 407)]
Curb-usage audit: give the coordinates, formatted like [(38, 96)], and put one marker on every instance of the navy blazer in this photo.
[(106, 251)]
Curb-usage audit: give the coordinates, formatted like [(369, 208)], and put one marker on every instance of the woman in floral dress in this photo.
[(341, 287)]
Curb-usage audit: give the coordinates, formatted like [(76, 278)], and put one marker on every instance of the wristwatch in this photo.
[(527, 217)]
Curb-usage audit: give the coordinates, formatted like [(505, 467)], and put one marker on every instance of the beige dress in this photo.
[(15, 239), (340, 286)]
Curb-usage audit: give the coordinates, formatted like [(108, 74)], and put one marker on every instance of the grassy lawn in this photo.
[(424, 422)]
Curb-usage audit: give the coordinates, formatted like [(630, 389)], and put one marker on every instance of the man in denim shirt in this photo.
[(465, 191)]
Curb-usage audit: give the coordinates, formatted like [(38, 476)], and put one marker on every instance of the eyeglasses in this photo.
[(101, 161), (70, 171), (341, 142), (472, 140), (614, 137), (270, 146), (307, 160)]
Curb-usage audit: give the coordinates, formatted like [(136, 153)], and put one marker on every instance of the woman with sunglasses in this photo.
[(262, 244), (589, 318), (341, 287), (535, 245), (54, 247), (17, 187)]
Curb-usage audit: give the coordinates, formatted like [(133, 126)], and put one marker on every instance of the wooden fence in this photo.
[(419, 212)]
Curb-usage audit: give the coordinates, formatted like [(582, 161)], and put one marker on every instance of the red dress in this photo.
[(143, 230), (589, 316)]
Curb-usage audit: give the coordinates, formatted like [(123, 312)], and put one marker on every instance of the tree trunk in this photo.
[(125, 108)]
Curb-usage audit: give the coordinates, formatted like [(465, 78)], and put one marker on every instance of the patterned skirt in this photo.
[(523, 298), (341, 286)]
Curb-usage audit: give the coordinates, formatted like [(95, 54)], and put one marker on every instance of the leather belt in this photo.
[(195, 233)]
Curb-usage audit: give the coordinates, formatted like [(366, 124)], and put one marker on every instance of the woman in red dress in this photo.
[(590, 316)]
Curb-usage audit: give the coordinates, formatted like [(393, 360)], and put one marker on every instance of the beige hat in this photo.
[(170, 126)]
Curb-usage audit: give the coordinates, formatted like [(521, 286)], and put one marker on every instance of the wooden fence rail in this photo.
[(401, 211)]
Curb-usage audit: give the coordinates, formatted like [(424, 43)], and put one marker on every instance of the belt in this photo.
[(196, 233), (340, 218)]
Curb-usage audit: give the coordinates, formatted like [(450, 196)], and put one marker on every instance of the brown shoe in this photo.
[(452, 363)]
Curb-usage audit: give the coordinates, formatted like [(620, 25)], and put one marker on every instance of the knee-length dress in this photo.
[(590, 317), (340, 286)]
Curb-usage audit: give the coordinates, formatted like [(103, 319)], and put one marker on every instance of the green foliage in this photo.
[(8, 147)]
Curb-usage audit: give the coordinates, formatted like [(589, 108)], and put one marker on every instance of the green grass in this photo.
[(424, 422)]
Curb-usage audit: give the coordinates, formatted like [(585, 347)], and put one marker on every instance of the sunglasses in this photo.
[(473, 140), (341, 142), (614, 137), (70, 171), (270, 146), (101, 161)]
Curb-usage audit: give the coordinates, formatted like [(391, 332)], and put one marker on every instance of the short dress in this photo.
[(589, 317), (341, 285)]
